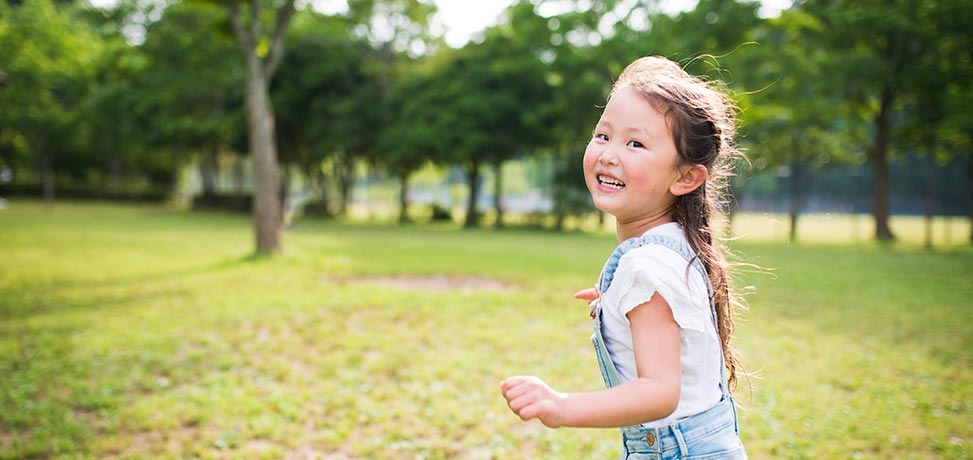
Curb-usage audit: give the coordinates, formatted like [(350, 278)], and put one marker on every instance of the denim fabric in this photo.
[(710, 435)]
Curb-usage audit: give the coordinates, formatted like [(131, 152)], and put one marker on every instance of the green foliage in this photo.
[(888, 53), (392, 25), (126, 97), (193, 77), (75, 91), (410, 138), (480, 105), (138, 332), (326, 99), (47, 58), (780, 131)]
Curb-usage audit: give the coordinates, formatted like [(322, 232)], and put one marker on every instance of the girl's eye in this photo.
[(601, 137), (635, 144)]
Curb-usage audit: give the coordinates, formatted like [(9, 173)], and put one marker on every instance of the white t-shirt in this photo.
[(642, 272)]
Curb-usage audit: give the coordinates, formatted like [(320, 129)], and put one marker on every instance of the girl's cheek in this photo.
[(589, 158), (588, 167)]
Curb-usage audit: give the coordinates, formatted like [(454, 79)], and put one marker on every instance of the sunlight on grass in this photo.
[(850, 228), (143, 333)]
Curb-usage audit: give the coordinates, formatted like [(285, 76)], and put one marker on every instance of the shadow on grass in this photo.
[(29, 299)]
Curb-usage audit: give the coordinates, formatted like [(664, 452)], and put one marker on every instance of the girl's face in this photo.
[(631, 162)]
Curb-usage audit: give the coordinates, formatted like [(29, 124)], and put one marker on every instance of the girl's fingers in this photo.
[(515, 389), (516, 398), (517, 392), (528, 412), (587, 294), (518, 403), (511, 382), (525, 407), (529, 398)]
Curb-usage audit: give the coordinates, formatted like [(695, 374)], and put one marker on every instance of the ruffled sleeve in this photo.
[(654, 268)]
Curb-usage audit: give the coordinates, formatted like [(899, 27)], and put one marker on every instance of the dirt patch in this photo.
[(438, 283), (172, 441)]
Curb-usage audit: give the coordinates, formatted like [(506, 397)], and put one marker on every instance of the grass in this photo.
[(138, 332)]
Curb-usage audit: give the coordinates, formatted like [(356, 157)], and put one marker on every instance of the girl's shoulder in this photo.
[(656, 267), (667, 243), (656, 258)]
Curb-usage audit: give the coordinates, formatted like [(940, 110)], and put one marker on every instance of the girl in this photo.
[(662, 308)]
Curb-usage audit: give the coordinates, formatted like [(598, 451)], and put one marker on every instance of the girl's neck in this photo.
[(637, 227)]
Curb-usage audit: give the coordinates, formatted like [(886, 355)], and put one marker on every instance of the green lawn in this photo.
[(140, 332)]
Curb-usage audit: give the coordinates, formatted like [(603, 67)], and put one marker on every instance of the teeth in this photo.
[(611, 182)]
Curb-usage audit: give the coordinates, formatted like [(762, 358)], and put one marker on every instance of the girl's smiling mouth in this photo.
[(610, 182)]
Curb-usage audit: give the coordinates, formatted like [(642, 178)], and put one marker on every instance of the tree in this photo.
[(110, 133), (410, 139), (871, 45), (795, 122), (187, 89), (483, 113), (262, 55), (922, 130), (580, 80), (48, 68), (398, 31), (514, 52), (329, 100), (949, 22)]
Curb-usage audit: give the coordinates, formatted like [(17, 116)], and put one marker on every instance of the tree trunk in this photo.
[(260, 68), (560, 205), (319, 186), (473, 177), (47, 178), (207, 171), (285, 192), (325, 193), (969, 188), (498, 193), (797, 196), (403, 198), (560, 193), (238, 174), (879, 155), (263, 148), (929, 198), (344, 169), (117, 173)]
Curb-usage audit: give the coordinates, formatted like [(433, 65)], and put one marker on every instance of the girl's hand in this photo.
[(591, 296), (529, 397), (587, 295)]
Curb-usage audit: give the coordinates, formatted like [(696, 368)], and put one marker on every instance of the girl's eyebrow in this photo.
[(605, 124), (640, 130)]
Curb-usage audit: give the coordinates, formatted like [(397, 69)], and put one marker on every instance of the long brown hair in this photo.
[(701, 118)]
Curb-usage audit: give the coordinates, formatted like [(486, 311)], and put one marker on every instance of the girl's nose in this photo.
[(607, 158)]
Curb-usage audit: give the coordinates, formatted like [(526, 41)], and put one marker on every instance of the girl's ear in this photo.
[(691, 178)]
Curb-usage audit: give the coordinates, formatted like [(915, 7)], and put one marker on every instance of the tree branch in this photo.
[(255, 23), (284, 15), (237, 22)]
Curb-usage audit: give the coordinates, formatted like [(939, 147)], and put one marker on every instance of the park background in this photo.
[(262, 229)]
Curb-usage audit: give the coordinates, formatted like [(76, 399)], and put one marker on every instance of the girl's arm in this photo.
[(652, 396)]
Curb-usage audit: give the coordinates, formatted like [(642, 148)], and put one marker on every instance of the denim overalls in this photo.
[(710, 435)]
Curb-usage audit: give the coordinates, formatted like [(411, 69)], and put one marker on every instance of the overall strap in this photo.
[(682, 248)]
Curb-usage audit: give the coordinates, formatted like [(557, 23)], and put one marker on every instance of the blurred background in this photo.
[(476, 112), (152, 151)]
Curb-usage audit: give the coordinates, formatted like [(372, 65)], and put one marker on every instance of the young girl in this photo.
[(658, 162)]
